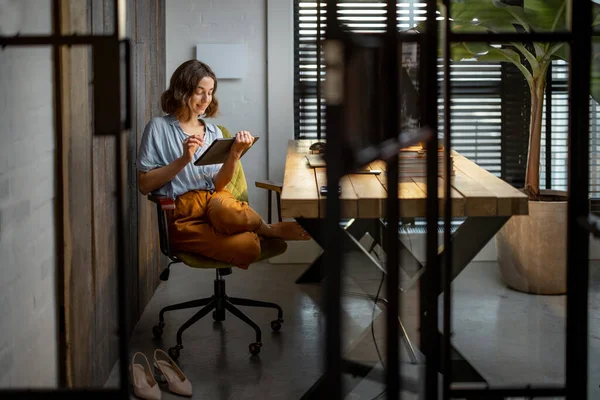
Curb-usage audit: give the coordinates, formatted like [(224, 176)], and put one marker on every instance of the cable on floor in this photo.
[(373, 313), (373, 328), (380, 395)]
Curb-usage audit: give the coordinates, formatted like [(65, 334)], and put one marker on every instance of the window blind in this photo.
[(484, 109), (476, 101), (475, 112), (558, 129), (557, 146)]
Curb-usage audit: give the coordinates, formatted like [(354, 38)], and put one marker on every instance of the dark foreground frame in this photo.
[(112, 116), (439, 271)]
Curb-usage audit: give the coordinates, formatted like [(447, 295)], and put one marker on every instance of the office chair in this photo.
[(219, 302)]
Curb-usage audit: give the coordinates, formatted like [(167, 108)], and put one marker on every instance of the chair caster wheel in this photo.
[(157, 330), (174, 351), (276, 325), (254, 348), (218, 316)]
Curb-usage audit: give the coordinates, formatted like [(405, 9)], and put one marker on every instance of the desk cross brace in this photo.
[(468, 240)]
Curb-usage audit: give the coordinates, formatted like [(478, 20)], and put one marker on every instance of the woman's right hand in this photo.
[(190, 145)]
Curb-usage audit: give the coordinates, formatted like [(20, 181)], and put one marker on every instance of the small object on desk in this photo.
[(317, 148)]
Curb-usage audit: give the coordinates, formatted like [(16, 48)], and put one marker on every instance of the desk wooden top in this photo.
[(475, 191)]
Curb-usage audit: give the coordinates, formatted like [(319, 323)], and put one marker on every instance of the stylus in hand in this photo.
[(190, 145)]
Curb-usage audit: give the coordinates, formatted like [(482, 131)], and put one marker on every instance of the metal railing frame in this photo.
[(106, 51), (437, 353)]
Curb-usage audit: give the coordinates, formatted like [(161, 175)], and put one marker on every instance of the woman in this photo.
[(207, 219)]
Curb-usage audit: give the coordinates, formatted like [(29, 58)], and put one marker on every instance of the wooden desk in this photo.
[(485, 200), (475, 191)]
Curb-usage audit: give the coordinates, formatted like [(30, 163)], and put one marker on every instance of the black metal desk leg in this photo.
[(314, 273), (356, 227)]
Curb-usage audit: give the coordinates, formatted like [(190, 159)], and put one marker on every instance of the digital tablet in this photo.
[(218, 150)]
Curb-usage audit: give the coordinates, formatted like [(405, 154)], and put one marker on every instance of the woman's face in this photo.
[(202, 96)]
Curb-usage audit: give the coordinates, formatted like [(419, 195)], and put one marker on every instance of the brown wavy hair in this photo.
[(182, 86)]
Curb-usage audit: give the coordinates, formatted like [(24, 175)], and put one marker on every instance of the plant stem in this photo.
[(532, 175)]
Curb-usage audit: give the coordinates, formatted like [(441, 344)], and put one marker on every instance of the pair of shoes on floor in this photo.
[(145, 385)]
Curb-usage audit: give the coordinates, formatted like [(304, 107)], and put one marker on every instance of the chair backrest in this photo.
[(238, 185)]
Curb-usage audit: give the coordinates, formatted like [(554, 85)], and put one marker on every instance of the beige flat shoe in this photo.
[(176, 380), (144, 384)]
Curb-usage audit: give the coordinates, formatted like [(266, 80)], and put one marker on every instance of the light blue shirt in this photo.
[(162, 143)]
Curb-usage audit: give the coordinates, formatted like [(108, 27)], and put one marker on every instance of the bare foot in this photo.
[(289, 231)]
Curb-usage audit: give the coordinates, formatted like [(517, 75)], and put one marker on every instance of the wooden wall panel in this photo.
[(104, 248), (90, 273), (132, 191), (79, 283), (148, 86)]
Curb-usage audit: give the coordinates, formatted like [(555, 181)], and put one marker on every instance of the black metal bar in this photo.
[(502, 38), (333, 242), (59, 203), (116, 32), (555, 37), (104, 42), (279, 218), (530, 392), (447, 256), (107, 87), (53, 40), (270, 206), (319, 82), (578, 203), (128, 80), (391, 126), (75, 394), (549, 127), (430, 341)]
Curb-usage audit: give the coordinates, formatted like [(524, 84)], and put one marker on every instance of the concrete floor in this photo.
[(510, 338)]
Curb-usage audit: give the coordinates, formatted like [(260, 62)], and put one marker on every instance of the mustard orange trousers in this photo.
[(215, 225)]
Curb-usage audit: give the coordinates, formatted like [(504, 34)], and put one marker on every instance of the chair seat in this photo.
[(268, 249)]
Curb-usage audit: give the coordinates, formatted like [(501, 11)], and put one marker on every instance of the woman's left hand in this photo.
[(243, 141)]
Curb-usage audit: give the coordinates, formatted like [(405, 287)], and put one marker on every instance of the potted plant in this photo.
[(532, 248)]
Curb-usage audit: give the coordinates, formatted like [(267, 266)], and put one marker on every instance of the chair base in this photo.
[(218, 303)]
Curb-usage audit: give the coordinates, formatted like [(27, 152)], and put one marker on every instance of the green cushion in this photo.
[(239, 188), (268, 249)]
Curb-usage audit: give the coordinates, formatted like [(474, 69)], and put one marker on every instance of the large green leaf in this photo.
[(501, 16), (546, 15), (507, 55), (459, 52), (471, 14), (558, 51), (471, 51), (596, 16)]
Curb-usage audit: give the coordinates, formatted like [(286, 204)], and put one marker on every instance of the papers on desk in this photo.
[(413, 162)]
